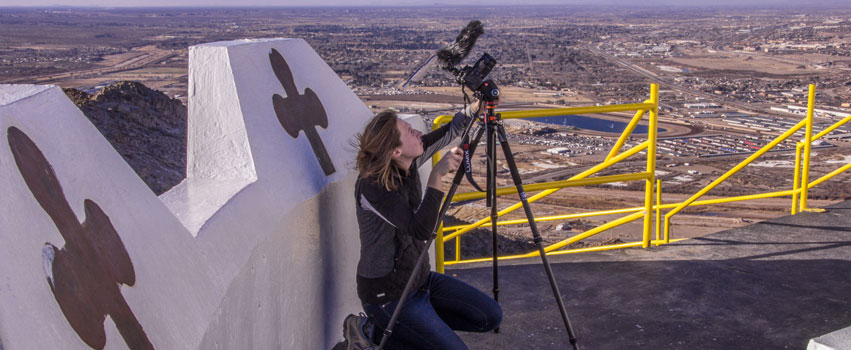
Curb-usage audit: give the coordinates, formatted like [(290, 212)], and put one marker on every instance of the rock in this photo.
[(479, 242), (563, 227), (145, 126)]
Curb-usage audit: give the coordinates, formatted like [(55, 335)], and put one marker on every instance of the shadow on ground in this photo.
[(772, 285)]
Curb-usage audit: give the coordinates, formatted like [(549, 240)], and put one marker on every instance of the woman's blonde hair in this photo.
[(375, 150)]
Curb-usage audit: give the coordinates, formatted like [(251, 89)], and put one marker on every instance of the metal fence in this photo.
[(653, 194)]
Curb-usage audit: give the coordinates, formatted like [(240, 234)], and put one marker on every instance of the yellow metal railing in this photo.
[(645, 212), (801, 175)]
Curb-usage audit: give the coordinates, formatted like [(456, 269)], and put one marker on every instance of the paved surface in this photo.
[(772, 285)]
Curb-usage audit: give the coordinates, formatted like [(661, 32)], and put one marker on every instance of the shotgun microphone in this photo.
[(450, 56)]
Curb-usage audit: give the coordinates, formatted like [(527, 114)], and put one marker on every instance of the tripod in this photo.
[(491, 125)]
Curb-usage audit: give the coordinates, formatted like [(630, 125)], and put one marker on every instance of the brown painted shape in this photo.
[(298, 112), (86, 273)]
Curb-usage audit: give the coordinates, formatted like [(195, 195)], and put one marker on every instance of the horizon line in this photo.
[(786, 5)]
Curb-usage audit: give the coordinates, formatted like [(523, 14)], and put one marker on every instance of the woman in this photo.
[(395, 219)]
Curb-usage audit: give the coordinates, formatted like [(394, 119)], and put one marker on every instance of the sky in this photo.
[(300, 3)]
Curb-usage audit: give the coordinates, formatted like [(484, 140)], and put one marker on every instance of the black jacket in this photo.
[(394, 225)]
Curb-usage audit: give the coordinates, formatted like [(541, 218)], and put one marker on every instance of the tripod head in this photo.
[(488, 92)]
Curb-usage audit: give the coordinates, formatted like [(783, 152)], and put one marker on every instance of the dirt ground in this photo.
[(517, 95), (146, 64), (755, 61)]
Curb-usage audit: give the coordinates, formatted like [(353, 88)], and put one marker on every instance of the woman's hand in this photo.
[(447, 164)]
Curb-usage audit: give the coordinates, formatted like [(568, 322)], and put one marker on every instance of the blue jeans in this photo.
[(430, 315)]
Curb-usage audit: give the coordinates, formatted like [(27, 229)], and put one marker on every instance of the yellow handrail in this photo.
[(729, 173), (465, 196), (629, 128), (651, 108), (547, 192), (612, 159), (578, 110), (657, 207), (832, 127), (569, 251)]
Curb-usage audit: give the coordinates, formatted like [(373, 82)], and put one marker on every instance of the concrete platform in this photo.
[(771, 285)]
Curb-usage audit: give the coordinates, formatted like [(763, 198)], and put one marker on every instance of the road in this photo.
[(147, 57), (418, 73)]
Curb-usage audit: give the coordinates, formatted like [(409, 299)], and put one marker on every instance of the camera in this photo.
[(474, 78)]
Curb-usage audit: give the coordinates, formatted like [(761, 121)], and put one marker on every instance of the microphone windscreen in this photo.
[(453, 54)]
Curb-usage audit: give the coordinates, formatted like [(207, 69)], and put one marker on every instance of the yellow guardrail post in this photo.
[(808, 140), (651, 164), (458, 248), (658, 211), (796, 182), (438, 249)]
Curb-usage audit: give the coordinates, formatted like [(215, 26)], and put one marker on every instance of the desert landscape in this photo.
[(730, 82)]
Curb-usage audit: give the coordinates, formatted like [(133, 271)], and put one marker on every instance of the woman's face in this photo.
[(412, 144)]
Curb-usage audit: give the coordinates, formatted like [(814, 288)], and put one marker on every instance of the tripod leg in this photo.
[(491, 195), (515, 176)]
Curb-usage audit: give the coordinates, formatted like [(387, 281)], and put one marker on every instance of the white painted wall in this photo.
[(256, 249)]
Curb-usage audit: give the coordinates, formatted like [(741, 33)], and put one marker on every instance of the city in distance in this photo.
[(731, 80)]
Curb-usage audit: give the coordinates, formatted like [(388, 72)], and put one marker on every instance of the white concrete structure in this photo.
[(255, 250), (837, 340)]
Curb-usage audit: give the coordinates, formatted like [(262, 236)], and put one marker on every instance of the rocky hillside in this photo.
[(145, 126)]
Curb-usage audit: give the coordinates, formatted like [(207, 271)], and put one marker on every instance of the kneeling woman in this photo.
[(395, 219)]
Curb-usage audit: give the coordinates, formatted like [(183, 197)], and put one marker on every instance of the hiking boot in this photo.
[(340, 346), (354, 331)]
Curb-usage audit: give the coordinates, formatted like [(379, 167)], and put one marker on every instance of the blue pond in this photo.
[(589, 123)]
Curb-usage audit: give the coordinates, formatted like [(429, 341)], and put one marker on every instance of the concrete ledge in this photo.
[(256, 249), (13, 93), (838, 340)]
